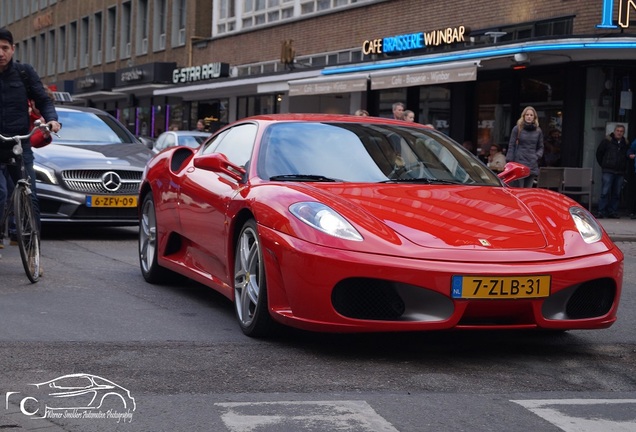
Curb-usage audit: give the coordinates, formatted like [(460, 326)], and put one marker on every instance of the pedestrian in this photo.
[(200, 125), (362, 112), (611, 155), (526, 146), (409, 116), (398, 111), (20, 83), (496, 159), (631, 153)]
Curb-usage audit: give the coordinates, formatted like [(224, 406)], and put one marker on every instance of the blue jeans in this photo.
[(14, 171), (526, 182), (4, 187), (611, 185)]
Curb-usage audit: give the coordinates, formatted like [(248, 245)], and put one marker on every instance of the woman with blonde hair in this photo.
[(526, 145)]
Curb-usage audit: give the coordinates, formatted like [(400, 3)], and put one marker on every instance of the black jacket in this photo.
[(14, 110), (611, 155)]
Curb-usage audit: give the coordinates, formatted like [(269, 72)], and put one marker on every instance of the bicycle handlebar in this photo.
[(19, 138)]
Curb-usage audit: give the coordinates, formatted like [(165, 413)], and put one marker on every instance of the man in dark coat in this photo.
[(18, 84), (611, 155)]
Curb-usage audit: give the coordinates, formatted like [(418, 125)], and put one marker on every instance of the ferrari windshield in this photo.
[(367, 153)]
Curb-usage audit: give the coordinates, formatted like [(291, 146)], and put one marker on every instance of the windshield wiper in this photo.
[(302, 177), (421, 180)]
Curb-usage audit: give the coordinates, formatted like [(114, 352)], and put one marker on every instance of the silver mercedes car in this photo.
[(91, 172)]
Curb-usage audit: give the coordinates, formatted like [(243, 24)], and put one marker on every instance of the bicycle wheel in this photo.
[(28, 236)]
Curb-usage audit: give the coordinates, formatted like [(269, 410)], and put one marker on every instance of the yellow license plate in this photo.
[(500, 287), (111, 201)]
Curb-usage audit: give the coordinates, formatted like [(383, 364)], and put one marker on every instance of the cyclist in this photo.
[(19, 83)]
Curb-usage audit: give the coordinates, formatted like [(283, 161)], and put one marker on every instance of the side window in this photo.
[(236, 144), (211, 145), (161, 143)]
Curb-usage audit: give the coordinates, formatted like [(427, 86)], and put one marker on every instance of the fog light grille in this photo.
[(367, 299), (592, 299)]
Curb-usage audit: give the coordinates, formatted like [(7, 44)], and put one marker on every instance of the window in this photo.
[(111, 34), (236, 15), (178, 34), (126, 31), (50, 53), (31, 52), (83, 43), (41, 52), (236, 144), (142, 27), (61, 50), (72, 46), (97, 38), (159, 26)]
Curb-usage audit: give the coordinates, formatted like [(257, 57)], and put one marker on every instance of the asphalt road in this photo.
[(178, 351)]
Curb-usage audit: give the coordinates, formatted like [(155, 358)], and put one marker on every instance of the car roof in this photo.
[(191, 133), (79, 108), (348, 118)]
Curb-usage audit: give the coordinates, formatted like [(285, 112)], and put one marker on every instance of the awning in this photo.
[(424, 75), (244, 86), (345, 83)]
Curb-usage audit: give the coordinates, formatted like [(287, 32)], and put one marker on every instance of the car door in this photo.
[(204, 199)]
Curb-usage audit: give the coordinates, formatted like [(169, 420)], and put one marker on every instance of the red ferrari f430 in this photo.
[(360, 224)]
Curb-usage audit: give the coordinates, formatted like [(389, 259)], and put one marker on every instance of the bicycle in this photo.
[(19, 207)]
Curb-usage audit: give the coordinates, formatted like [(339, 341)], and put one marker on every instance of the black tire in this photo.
[(150, 269), (28, 235), (250, 284)]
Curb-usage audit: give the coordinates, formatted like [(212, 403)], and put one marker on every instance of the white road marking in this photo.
[(354, 416), (548, 410)]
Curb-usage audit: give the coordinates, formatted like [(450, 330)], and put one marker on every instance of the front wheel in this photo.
[(150, 269), (28, 235), (250, 284)]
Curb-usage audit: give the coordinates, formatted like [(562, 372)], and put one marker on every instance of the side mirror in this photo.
[(218, 162), (513, 171)]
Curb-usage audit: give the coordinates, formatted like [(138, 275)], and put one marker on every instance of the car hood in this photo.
[(456, 216), (94, 156)]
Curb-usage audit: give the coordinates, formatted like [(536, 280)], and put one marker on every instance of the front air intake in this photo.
[(592, 299), (370, 299)]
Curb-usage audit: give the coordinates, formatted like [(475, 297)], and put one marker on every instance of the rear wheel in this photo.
[(150, 269), (250, 284), (28, 235)]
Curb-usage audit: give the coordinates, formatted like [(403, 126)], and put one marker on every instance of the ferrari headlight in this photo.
[(589, 229), (44, 174), (325, 219)]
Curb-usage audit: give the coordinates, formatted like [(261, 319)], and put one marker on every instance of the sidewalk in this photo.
[(623, 229)]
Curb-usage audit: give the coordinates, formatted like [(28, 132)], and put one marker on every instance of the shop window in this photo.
[(434, 107), (493, 114)]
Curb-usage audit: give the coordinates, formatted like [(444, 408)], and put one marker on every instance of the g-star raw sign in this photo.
[(624, 9), (200, 73)]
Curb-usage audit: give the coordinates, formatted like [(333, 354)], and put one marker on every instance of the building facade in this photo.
[(467, 67)]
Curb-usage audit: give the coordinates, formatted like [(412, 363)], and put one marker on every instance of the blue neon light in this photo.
[(403, 42), (608, 8), (495, 52)]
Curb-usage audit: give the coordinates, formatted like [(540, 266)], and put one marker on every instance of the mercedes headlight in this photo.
[(44, 174)]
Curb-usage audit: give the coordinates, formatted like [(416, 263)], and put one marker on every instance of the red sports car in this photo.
[(359, 224)]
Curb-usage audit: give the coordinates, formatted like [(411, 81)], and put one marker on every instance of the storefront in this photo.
[(96, 90), (222, 98), (141, 112), (469, 84)]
